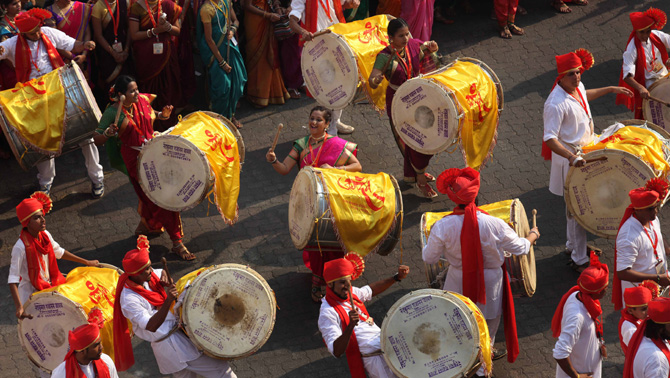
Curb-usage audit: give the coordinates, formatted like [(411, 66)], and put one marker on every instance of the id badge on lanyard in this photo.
[(118, 47), (158, 48)]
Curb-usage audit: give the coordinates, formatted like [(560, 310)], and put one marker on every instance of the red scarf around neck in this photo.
[(635, 103), (592, 306), (474, 286), (312, 12), (35, 249), (617, 291), (626, 316), (73, 370), (24, 62), (354, 358)]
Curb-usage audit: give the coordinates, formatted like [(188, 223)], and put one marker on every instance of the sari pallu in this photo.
[(75, 21), (108, 68), (419, 17)]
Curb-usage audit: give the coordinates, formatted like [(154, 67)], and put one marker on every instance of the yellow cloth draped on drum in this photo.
[(501, 210), (36, 111), (93, 287), (367, 38), (220, 147), (484, 338), (363, 206), (640, 142), (477, 95)]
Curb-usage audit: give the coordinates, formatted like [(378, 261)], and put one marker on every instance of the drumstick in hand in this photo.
[(351, 299), (602, 158), (659, 101), (118, 110), (274, 143), (322, 32), (167, 272), (534, 219)]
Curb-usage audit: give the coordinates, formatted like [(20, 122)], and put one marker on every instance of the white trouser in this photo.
[(332, 128), (576, 235), (493, 325), (47, 169), (376, 367), (207, 367)]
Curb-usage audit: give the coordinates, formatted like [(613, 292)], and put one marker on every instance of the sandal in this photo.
[(429, 177), (237, 123), (183, 253), (578, 268), (294, 93), (142, 229), (425, 191), (317, 294), (515, 29), (505, 33), (560, 6)]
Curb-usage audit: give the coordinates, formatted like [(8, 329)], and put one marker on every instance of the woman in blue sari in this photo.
[(216, 28)]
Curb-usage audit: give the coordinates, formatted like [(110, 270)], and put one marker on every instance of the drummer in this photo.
[(400, 61), (645, 59), (34, 61), (145, 300), (320, 150), (338, 321), (309, 16), (568, 125), (136, 128), (488, 238)]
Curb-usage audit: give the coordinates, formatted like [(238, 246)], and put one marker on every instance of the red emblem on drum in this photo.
[(30, 84), (363, 186), (215, 142), (475, 99), (372, 33), (99, 294)]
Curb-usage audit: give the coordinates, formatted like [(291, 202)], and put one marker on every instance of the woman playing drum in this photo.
[(403, 59), (324, 151), (136, 127)]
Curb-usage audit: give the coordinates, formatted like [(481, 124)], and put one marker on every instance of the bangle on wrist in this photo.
[(274, 161), (222, 63), (396, 278), (535, 232)]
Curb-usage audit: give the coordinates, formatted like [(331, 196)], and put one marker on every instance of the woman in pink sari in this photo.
[(419, 17), (72, 18), (321, 150)]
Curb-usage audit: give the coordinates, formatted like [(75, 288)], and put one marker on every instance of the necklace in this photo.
[(315, 141)]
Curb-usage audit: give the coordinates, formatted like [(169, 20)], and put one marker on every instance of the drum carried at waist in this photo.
[(201, 154), (228, 310), (621, 160), (61, 309), (457, 104), (62, 113), (435, 333), (654, 111), (521, 269), (354, 211)]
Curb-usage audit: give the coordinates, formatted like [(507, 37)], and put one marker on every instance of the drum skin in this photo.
[(654, 111)]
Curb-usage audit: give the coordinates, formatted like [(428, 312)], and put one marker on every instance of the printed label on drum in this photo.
[(187, 191), (418, 308), (413, 133), (458, 326), (631, 172), (401, 349), (316, 84), (38, 346), (152, 176), (335, 95), (443, 364), (607, 223), (443, 122), (176, 152), (413, 97), (656, 110), (49, 310), (582, 199), (341, 61), (318, 50)]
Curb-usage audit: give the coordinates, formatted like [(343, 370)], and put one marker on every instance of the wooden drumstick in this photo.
[(274, 143), (351, 299), (602, 158), (534, 219), (321, 32), (659, 101), (167, 272), (118, 111)]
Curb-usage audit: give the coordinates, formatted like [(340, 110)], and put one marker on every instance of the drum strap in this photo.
[(375, 353), (173, 330)]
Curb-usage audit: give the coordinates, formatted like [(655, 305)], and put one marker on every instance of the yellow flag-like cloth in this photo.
[(36, 111), (484, 340), (501, 210), (363, 206), (477, 95), (220, 146), (640, 142), (93, 287), (367, 38)]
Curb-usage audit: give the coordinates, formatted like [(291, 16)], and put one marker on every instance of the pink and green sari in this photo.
[(75, 21)]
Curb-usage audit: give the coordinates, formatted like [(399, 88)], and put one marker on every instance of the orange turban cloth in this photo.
[(32, 19), (29, 206), (461, 185)]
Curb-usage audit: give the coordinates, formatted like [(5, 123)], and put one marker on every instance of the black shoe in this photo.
[(497, 354)]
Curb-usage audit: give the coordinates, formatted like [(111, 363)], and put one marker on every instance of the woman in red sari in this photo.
[(155, 52), (136, 127), (72, 18), (318, 149)]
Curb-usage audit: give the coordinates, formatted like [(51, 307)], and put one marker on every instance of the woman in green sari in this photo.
[(216, 28)]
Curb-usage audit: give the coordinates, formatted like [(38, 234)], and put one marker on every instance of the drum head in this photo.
[(329, 67), (44, 337), (302, 207), (525, 276), (173, 172), (425, 116), (229, 311), (597, 193), (430, 333), (654, 111)]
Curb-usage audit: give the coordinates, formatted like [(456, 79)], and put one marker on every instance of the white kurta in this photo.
[(630, 58), (635, 250), (18, 270), (627, 331), (322, 20), (496, 238), (650, 362), (368, 336), (578, 340), (38, 51), (89, 370)]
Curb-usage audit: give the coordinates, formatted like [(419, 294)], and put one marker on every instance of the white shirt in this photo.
[(649, 361), (565, 120), (635, 250), (578, 340), (496, 238), (40, 57), (89, 370), (630, 58), (322, 20), (627, 331), (18, 270), (171, 354)]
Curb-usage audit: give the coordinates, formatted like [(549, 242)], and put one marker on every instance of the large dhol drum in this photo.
[(654, 111), (228, 310), (58, 310), (174, 171), (433, 112), (434, 333), (311, 220), (81, 118), (521, 269)]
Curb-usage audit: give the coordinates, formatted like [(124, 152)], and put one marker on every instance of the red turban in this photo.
[(637, 296), (29, 206), (594, 278), (135, 261), (351, 265), (659, 310), (651, 18), (641, 198), (461, 185), (83, 337), (32, 19)]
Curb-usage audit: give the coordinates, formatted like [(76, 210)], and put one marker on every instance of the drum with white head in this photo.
[(655, 111)]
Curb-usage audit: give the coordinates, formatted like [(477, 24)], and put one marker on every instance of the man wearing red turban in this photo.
[(568, 125), (353, 331), (649, 351), (145, 300), (33, 52), (645, 59), (577, 323), (635, 312), (474, 243), (640, 250)]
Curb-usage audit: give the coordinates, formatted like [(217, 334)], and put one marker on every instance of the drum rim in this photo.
[(566, 188), (110, 266), (438, 293), (34, 297), (10, 137), (646, 108), (86, 88), (311, 176), (524, 261), (241, 147), (272, 318), (197, 151), (340, 40)]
